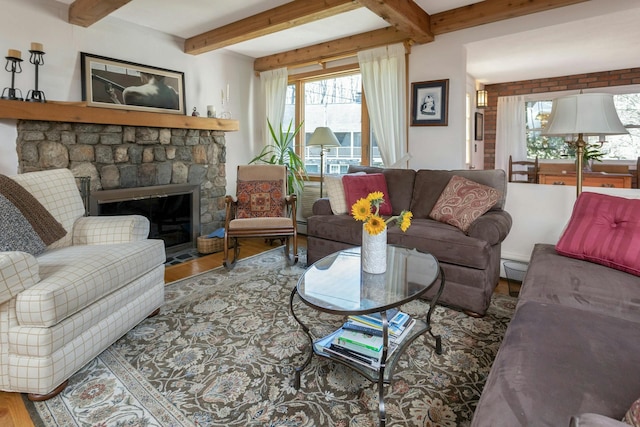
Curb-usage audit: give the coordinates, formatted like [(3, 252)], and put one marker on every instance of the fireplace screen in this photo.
[(173, 211)]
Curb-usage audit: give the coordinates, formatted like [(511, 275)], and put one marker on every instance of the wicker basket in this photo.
[(209, 245)]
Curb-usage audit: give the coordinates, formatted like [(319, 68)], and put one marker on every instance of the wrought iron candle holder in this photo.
[(13, 66), (37, 59)]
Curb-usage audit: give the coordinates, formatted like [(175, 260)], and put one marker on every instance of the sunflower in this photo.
[(375, 225), (361, 210), (405, 220)]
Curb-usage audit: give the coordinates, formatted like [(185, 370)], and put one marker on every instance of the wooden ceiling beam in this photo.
[(335, 49), (484, 12), (289, 15), (405, 16), (488, 11), (88, 12)]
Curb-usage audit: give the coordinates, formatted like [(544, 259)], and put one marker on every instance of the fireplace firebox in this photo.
[(173, 211)]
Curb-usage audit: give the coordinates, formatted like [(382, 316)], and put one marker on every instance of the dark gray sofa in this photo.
[(471, 261), (572, 348)]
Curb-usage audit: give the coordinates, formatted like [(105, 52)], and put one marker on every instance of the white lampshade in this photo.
[(323, 136), (585, 113)]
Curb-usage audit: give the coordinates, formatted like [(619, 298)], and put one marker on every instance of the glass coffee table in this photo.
[(337, 285)]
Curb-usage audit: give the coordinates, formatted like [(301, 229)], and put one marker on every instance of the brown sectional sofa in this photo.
[(570, 355), (471, 261)]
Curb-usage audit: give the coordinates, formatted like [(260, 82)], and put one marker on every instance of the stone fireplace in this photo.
[(121, 157)]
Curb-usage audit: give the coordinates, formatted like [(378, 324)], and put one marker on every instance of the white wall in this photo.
[(440, 147), (541, 212), (45, 21)]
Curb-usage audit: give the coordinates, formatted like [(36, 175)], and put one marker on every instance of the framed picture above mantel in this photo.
[(430, 103), (112, 83)]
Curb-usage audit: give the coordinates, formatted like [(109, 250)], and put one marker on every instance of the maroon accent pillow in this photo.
[(605, 230), (259, 199), (462, 201), (359, 186)]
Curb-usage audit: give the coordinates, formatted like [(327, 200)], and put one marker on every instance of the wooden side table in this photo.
[(589, 179)]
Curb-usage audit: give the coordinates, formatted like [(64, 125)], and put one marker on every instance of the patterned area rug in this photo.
[(222, 352)]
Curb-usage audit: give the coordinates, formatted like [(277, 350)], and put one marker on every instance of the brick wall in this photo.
[(554, 84)]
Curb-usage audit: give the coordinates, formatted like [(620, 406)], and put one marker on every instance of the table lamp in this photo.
[(583, 114), (323, 137)]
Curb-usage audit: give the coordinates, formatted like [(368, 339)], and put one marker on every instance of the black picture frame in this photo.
[(430, 103), (479, 127), (105, 80)]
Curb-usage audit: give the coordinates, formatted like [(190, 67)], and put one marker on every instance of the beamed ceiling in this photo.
[(585, 36), (407, 21)]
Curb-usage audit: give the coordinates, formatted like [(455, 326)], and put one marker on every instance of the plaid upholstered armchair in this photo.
[(261, 208), (70, 285)]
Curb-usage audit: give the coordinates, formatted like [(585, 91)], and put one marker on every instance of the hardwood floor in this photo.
[(12, 410)]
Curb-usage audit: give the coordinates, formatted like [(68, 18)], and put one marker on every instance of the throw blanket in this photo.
[(27, 225)]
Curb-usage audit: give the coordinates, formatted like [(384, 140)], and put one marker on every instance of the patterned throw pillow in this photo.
[(335, 191), (260, 199), (605, 230), (462, 201), (633, 414)]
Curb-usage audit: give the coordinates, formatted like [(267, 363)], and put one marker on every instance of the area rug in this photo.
[(223, 349)]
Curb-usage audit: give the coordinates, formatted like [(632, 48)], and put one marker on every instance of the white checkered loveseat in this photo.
[(61, 308)]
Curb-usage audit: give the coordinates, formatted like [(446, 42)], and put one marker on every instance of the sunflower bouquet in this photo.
[(367, 210)]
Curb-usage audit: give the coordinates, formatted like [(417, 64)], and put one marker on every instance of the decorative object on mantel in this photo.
[(195, 113), (36, 59), (374, 231), (14, 58), (583, 114), (226, 114), (211, 112), (112, 83)]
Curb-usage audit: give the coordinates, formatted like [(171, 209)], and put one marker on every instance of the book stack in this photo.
[(360, 338)]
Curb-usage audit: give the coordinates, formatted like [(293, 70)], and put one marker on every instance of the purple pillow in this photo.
[(605, 230)]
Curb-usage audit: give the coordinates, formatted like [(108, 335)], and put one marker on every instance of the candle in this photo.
[(227, 93), (222, 96), (37, 47), (13, 53)]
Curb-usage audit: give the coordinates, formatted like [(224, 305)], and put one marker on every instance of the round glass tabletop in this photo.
[(336, 283)]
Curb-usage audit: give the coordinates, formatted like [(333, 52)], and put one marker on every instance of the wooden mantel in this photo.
[(78, 112)]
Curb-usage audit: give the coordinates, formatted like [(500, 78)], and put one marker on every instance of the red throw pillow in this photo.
[(359, 186), (462, 201), (259, 199), (605, 230)]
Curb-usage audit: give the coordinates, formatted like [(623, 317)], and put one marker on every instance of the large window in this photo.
[(616, 147), (335, 102)]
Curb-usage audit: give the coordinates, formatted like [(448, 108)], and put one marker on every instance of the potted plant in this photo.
[(590, 154), (282, 152)]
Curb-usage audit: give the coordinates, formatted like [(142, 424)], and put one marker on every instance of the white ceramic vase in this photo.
[(374, 252)]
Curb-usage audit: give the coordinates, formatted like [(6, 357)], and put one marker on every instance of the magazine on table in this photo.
[(360, 343)]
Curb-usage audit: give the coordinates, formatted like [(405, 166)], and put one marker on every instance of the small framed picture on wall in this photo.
[(479, 125), (429, 103)]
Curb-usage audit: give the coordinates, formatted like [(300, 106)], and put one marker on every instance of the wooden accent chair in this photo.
[(261, 208), (531, 172)]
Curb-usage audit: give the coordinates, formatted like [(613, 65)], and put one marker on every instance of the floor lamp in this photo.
[(323, 137), (584, 114)]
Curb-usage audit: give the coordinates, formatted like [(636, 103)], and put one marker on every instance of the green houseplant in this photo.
[(282, 152)]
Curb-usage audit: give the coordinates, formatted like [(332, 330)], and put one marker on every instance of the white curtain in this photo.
[(274, 91), (384, 80), (511, 138)]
